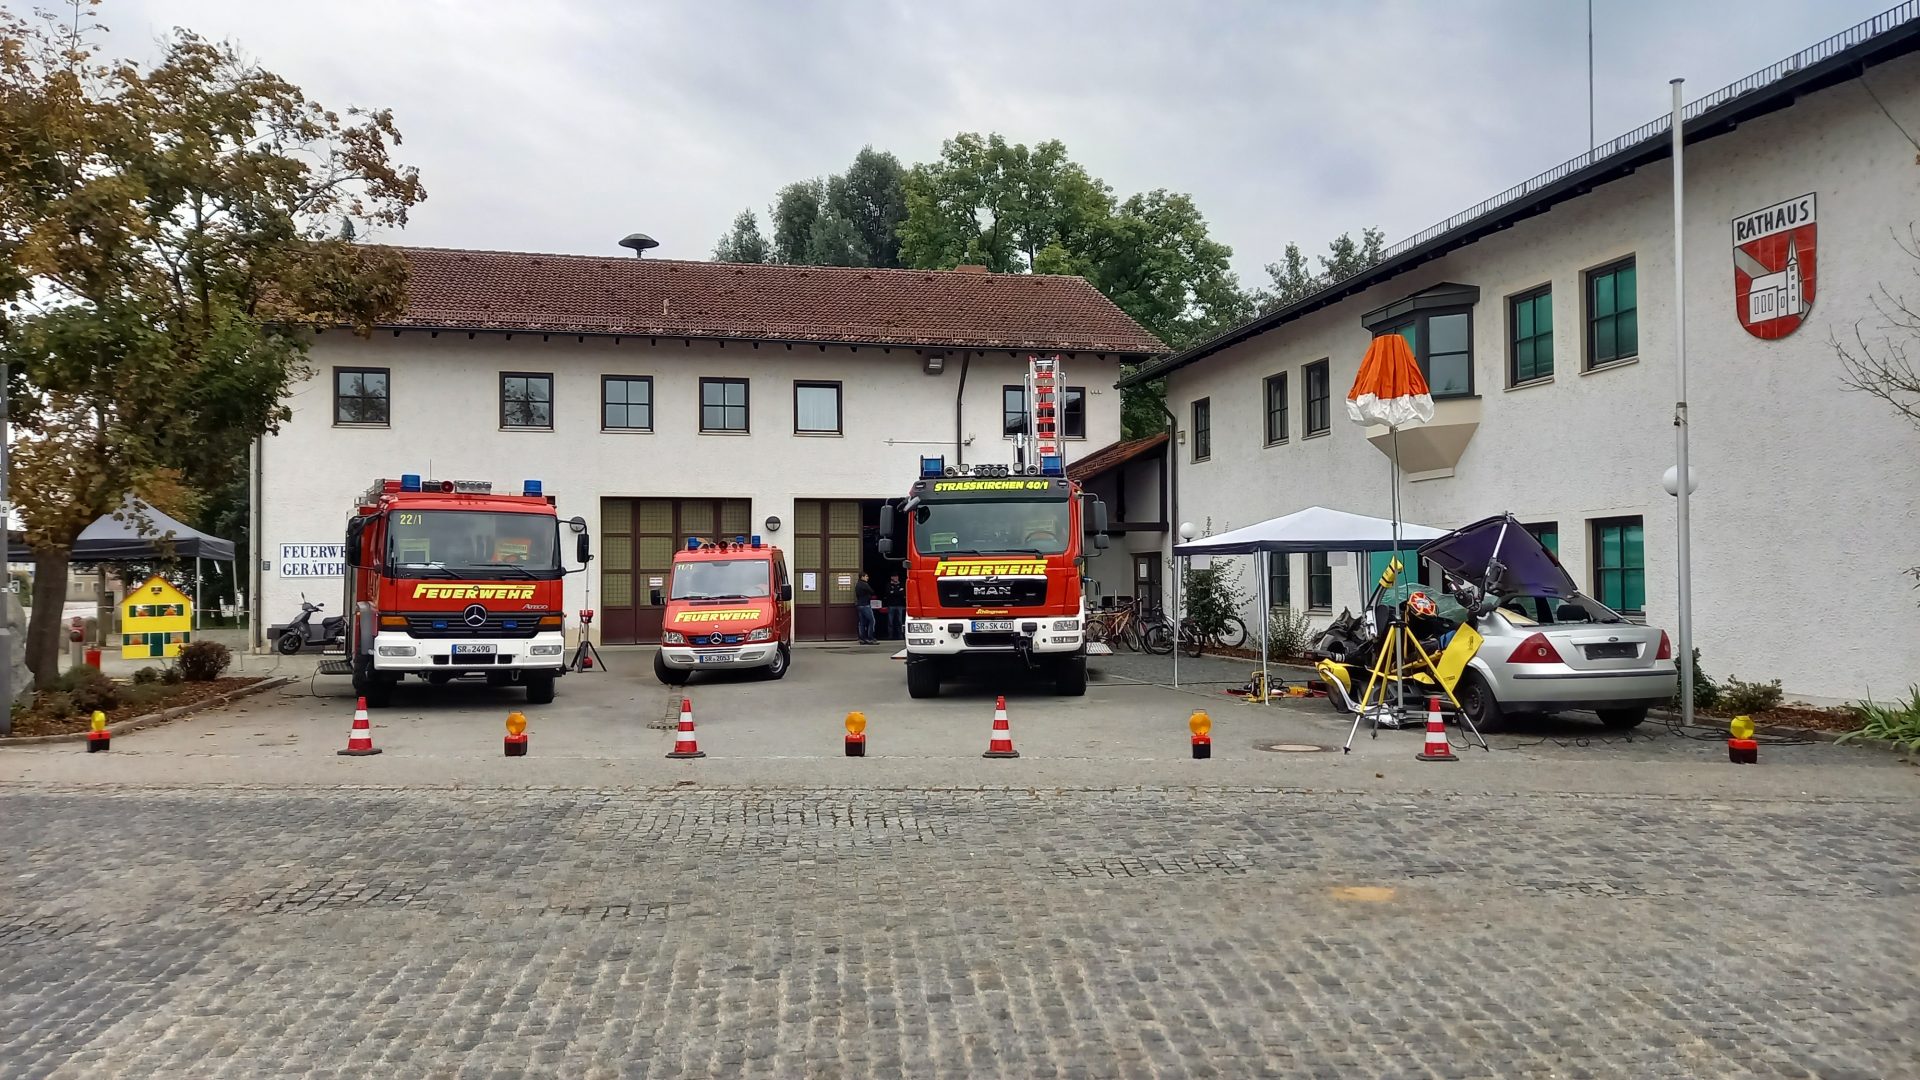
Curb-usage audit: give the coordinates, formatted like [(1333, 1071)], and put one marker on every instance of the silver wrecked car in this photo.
[(1548, 647)]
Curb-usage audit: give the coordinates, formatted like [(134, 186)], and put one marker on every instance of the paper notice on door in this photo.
[(809, 581), (655, 582), (846, 580)]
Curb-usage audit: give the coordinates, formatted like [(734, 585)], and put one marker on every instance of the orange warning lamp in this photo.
[(516, 724), (856, 724), (1200, 724), (1742, 747), (1741, 728), (99, 720)]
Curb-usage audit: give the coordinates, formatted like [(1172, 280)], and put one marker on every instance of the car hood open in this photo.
[(1531, 570)]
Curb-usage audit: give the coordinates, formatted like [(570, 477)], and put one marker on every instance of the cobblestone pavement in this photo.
[(700, 931)]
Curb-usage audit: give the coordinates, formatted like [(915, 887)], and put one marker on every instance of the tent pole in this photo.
[(1266, 615), (196, 597), (1400, 655)]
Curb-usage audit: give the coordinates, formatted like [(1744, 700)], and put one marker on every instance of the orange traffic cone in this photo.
[(684, 744), (1000, 744), (360, 738), (1437, 748)]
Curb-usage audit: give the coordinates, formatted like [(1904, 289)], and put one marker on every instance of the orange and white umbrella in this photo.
[(1389, 389)]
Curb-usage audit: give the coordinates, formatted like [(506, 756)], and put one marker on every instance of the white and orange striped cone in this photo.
[(684, 744), (1437, 748), (360, 737), (1000, 743)]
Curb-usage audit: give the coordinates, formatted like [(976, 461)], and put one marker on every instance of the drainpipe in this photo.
[(959, 413), (256, 633), (1173, 526)]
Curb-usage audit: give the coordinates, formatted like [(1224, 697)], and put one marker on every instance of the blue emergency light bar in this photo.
[(1050, 465), (532, 487), (756, 539), (933, 466), (410, 481), (740, 540), (693, 543)]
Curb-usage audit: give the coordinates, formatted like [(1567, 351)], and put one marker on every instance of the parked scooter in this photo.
[(300, 633)]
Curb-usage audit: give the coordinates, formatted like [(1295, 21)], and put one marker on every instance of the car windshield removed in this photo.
[(733, 579), (994, 528), (474, 540), (1553, 611)]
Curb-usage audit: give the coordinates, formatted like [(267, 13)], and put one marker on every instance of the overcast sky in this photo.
[(562, 125)]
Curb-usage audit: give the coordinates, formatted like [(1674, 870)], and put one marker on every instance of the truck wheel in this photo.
[(368, 683), (540, 689), (923, 677), (1070, 676), (288, 644), (782, 660), (668, 675)]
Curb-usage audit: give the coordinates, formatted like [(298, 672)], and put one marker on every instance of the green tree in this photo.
[(833, 241), (872, 196), (1291, 280), (168, 236), (794, 209), (742, 243)]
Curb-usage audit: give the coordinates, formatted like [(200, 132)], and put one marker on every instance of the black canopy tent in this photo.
[(138, 532)]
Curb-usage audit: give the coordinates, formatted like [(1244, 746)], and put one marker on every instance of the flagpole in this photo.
[(1684, 473)]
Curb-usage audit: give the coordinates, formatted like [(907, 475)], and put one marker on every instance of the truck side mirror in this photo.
[(1099, 518), (582, 550), (886, 531), (1100, 541), (786, 591), (356, 528)]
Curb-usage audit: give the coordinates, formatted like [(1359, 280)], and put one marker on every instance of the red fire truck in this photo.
[(447, 579), (994, 556), (729, 607)]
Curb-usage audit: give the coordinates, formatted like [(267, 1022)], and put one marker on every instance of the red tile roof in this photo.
[(592, 294), (1113, 455)]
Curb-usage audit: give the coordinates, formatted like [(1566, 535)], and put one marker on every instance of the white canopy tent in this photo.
[(1315, 529)]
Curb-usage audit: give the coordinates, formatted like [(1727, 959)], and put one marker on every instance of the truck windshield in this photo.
[(733, 579), (986, 528), (474, 540)]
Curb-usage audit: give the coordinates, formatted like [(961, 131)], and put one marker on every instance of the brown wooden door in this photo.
[(637, 546), (827, 557)]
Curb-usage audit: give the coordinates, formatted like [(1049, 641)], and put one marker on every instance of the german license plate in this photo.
[(718, 658), (1613, 650), (475, 650), (992, 626)]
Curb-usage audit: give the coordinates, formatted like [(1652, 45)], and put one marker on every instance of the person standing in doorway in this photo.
[(863, 604), (896, 607)]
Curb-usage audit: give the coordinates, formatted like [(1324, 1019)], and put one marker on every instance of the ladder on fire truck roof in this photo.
[(1044, 390)]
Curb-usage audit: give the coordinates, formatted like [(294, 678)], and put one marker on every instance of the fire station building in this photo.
[(1545, 321), (662, 399)]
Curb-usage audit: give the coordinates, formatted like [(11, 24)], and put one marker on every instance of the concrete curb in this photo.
[(1776, 731), (149, 720)]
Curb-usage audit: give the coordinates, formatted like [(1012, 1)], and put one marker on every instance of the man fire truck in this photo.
[(445, 579), (994, 556)]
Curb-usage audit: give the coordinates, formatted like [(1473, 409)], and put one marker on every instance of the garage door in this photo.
[(637, 541), (827, 557)]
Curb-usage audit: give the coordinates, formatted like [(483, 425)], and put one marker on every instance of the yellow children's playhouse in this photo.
[(155, 621)]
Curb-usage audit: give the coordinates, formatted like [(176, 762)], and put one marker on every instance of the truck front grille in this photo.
[(450, 624), (1014, 593)]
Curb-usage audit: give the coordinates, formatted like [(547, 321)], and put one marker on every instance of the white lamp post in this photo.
[(1187, 532)]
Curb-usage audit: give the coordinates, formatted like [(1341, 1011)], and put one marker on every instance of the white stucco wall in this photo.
[(1807, 506), (445, 423)]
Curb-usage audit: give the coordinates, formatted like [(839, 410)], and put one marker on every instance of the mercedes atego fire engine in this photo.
[(446, 578), (995, 553)]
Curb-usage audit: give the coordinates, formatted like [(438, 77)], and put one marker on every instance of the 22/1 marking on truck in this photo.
[(425, 591), (978, 568)]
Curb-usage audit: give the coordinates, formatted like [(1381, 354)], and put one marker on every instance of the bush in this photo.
[(1289, 633), (1740, 697), (145, 697), (57, 704), (1212, 597), (146, 676), (1898, 723), (89, 689), (171, 676), (1706, 693), (203, 661)]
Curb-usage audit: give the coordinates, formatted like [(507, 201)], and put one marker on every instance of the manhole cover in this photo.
[(1289, 747)]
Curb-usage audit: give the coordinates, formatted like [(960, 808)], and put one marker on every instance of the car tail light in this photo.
[(1666, 648), (1535, 650)]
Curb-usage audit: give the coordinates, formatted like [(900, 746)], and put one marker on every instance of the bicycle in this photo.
[(1159, 637), (1118, 626)]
